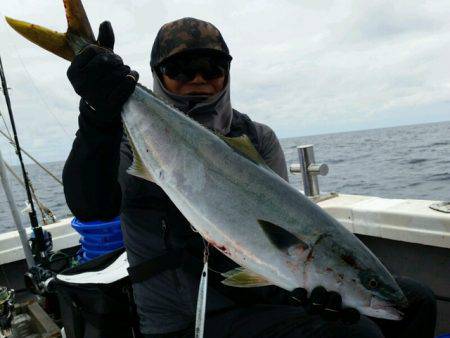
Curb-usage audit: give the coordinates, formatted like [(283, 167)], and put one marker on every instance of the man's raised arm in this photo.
[(90, 173)]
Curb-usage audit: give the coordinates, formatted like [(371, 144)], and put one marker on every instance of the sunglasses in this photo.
[(184, 69)]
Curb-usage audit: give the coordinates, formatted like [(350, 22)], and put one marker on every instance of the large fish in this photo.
[(238, 204)]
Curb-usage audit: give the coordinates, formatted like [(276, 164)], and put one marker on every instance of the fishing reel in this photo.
[(39, 280), (43, 249), (7, 299)]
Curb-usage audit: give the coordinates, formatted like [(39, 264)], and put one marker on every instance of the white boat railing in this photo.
[(62, 233), (403, 220)]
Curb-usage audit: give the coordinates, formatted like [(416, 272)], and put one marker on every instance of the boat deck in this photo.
[(411, 239)]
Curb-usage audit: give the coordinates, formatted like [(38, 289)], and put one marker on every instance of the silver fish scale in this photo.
[(223, 195)]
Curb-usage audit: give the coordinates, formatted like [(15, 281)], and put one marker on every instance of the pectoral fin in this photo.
[(280, 237), (244, 278)]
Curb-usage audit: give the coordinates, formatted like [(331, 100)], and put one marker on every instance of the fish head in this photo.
[(345, 265), (374, 291), (386, 298)]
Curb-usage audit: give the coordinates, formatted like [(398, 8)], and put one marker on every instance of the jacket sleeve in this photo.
[(271, 150), (90, 173)]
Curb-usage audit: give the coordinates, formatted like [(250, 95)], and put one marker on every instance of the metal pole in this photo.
[(15, 214), (306, 157), (38, 232), (44, 210)]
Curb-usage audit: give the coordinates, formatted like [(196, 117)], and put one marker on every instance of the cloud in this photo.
[(303, 67)]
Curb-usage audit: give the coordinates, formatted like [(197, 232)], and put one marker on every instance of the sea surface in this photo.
[(400, 162)]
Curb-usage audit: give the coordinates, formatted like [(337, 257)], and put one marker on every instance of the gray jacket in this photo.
[(151, 223)]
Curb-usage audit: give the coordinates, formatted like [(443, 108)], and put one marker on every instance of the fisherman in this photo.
[(190, 63)]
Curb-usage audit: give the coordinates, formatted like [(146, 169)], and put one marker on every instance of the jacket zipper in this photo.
[(165, 231)]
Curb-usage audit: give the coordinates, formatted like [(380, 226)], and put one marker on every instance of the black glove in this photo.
[(327, 304), (100, 77)]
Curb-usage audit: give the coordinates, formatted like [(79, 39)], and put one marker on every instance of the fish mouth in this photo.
[(383, 309)]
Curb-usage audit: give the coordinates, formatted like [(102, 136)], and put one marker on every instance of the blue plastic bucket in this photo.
[(97, 228), (114, 237), (85, 258), (98, 238), (100, 246), (93, 254)]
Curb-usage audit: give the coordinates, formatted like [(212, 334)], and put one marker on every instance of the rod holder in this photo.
[(309, 169)]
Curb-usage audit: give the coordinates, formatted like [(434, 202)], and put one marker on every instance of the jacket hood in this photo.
[(214, 112)]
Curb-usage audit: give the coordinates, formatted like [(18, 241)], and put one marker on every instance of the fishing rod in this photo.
[(37, 229), (47, 214), (31, 158)]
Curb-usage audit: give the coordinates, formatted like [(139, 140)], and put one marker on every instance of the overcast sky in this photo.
[(302, 67)]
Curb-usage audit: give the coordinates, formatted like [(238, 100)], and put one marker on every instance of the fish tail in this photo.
[(66, 45)]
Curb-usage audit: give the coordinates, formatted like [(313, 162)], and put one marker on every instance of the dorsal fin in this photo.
[(280, 237), (244, 146)]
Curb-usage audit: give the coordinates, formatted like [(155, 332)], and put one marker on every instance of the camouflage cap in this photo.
[(187, 34)]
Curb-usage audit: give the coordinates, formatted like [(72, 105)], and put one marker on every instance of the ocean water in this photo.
[(400, 162)]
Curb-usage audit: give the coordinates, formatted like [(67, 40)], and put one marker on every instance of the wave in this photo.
[(446, 143), (439, 177), (334, 161), (417, 160)]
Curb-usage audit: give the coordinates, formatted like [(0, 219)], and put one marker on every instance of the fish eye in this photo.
[(372, 283)]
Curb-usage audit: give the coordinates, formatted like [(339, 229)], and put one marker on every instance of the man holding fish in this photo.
[(190, 63), (179, 162)]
